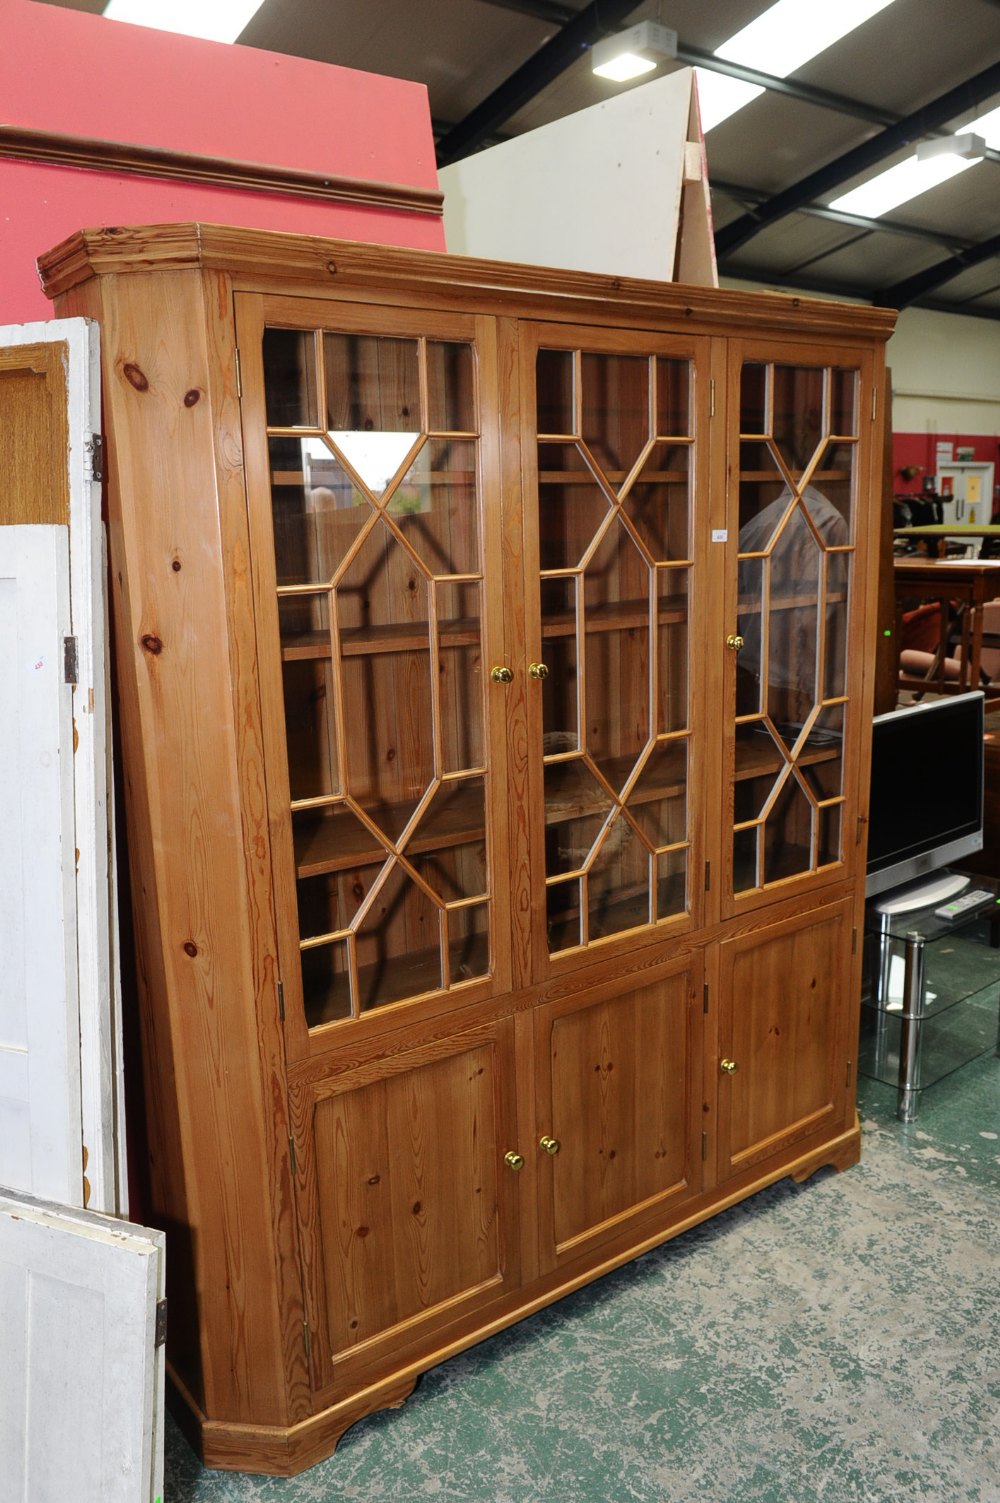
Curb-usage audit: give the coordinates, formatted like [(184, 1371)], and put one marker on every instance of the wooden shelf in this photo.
[(779, 479), (412, 975), (753, 761), (747, 606), (359, 641), (672, 783), (583, 476), (431, 477), (617, 616), (331, 845)]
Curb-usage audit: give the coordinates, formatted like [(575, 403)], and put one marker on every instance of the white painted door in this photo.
[(60, 1064), (81, 1378)]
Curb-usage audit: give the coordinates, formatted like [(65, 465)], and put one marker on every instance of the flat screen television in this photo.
[(926, 807)]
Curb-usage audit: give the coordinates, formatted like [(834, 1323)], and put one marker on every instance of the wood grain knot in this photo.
[(190, 948), (134, 376), (152, 644), (192, 396), (362, 1231), (390, 755), (331, 267), (176, 565)]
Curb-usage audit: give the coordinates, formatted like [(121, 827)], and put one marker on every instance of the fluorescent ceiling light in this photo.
[(780, 40), (897, 186), (214, 20), (630, 53), (791, 32), (987, 126)]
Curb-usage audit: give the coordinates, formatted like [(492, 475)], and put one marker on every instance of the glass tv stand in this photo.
[(931, 990)]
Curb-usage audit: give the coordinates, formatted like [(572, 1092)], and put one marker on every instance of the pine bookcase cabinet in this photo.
[(494, 694)]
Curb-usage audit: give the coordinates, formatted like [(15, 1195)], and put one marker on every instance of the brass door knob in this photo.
[(734, 641), (538, 670), (551, 1145), (501, 675), (513, 1160), (727, 1066)]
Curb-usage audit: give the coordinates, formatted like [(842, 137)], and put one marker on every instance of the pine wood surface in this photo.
[(36, 438), (406, 1236)]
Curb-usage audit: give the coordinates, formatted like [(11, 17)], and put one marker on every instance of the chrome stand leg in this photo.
[(914, 999)]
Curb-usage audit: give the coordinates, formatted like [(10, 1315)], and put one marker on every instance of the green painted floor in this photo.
[(832, 1342)]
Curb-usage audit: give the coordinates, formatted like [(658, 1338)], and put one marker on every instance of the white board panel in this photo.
[(39, 1011), (81, 1383), (596, 191)]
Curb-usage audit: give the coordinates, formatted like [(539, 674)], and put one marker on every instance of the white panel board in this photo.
[(81, 1382), (40, 1130), (597, 191)]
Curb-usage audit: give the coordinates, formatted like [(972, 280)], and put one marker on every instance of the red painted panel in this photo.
[(69, 71)]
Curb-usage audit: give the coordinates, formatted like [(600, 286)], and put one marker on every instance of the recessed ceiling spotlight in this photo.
[(631, 53)]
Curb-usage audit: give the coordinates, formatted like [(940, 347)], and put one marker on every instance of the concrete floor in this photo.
[(834, 1342)]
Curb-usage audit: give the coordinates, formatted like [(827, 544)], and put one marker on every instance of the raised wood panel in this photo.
[(621, 1095), (784, 1001), (412, 1211), (35, 434)]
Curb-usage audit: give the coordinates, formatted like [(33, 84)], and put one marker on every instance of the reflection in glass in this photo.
[(375, 457), (435, 507), (658, 502), (317, 510), (576, 808), (372, 384), (326, 983), (615, 418), (290, 378), (450, 392), (387, 972), (618, 883), (329, 902), (658, 801)]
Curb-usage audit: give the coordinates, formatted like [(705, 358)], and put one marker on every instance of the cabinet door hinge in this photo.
[(708, 875), (874, 402), (281, 1001), (95, 448), (850, 1064), (854, 941), (239, 375), (711, 397), (160, 1328), (704, 997), (291, 1154), (862, 821), (71, 660), (704, 1145)]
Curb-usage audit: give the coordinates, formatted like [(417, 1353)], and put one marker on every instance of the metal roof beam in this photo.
[(965, 97), (553, 58), (901, 294), (824, 98), (946, 241)]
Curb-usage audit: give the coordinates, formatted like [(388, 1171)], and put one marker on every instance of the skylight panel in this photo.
[(213, 20), (898, 185)]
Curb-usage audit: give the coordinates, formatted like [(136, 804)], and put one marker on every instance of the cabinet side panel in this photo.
[(181, 749)]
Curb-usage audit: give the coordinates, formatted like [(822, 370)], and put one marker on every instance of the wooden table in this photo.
[(960, 586), (935, 534)]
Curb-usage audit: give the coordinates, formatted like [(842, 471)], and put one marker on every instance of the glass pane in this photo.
[(788, 832), (389, 748), (658, 800), (455, 817), (673, 398), (759, 764), (753, 399), (332, 837), (399, 944), (843, 403), (310, 717), (450, 391), (435, 506), (829, 835), (376, 458), (799, 421), (560, 731), (455, 871), (671, 883), (749, 675), (330, 902), (829, 498), (793, 628), (460, 675), (618, 883), (372, 384), (316, 508), (672, 670), (562, 907), (468, 943), (290, 378), (615, 424), (571, 506), (658, 503), (616, 594), (576, 807), (304, 625), (746, 860), (765, 497), (382, 595), (554, 376), (838, 574), (326, 984)]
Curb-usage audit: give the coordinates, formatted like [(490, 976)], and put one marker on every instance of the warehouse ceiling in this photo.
[(915, 72)]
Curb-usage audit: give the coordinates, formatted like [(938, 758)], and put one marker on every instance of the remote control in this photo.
[(961, 905)]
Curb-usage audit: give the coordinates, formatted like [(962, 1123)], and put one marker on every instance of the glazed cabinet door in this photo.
[(371, 453), (619, 1110), (407, 1190), (615, 462), (785, 1070), (797, 690)]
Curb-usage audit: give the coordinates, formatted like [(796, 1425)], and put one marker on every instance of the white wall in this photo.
[(945, 373)]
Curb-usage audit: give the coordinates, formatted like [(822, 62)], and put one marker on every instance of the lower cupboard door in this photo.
[(408, 1210), (784, 1065), (620, 1143)]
